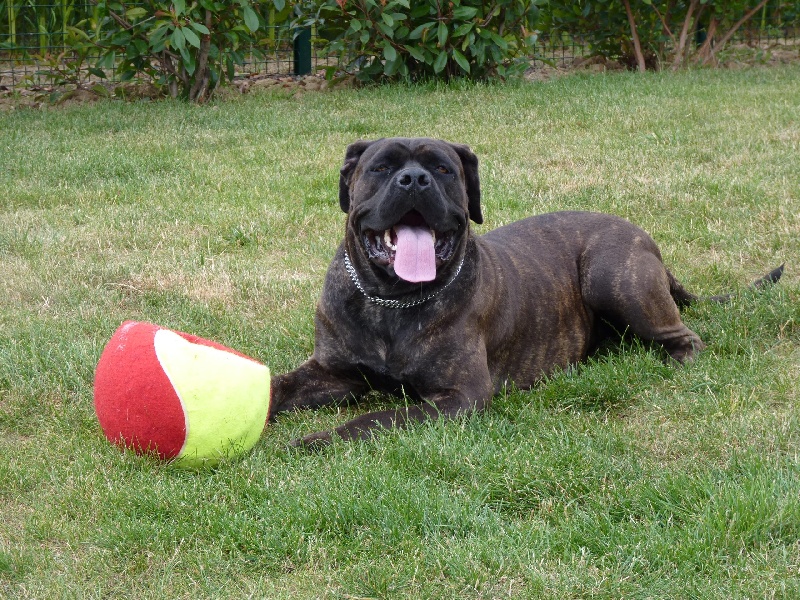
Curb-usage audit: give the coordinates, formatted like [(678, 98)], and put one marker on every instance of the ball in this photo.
[(186, 399)]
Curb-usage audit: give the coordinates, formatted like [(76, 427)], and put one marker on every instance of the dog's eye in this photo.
[(442, 169), (380, 169)]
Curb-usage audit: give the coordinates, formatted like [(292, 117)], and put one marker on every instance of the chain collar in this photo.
[(388, 303)]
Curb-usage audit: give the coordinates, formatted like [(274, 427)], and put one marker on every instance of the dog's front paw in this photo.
[(314, 441)]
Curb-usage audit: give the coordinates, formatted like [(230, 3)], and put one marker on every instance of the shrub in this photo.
[(189, 49), (391, 39), (647, 34)]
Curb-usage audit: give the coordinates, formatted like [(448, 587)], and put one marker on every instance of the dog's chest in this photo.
[(394, 347)]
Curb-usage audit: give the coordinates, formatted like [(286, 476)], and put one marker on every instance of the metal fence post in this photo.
[(302, 52)]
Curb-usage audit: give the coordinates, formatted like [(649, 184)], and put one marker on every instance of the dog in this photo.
[(415, 304)]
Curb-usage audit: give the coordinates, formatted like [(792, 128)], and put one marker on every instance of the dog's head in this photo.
[(409, 202)]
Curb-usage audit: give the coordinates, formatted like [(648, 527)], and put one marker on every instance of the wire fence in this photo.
[(757, 45), (35, 49)]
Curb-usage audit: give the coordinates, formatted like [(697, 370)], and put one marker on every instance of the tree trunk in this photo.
[(200, 92), (706, 51), (637, 47), (687, 23)]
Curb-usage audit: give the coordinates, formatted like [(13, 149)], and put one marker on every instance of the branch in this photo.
[(725, 38), (664, 23), (489, 14)]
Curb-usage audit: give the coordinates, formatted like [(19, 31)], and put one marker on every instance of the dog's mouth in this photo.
[(410, 247)]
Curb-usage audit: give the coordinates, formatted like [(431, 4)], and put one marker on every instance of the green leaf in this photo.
[(122, 38), (135, 13), (180, 6), (442, 34), (501, 43), (420, 31), (158, 35), (464, 12), (389, 53), (364, 36), (387, 18), (177, 40), (199, 28), (78, 33), (463, 29), (420, 10), (188, 60), (440, 63), (387, 31), (191, 37), (355, 25), (107, 61), (250, 17), (533, 17), (279, 4), (416, 53), (101, 90), (461, 60), (391, 67)]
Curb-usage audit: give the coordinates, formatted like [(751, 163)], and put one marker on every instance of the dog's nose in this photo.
[(413, 178)]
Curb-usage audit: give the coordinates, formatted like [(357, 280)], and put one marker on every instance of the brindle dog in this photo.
[(414, 303)]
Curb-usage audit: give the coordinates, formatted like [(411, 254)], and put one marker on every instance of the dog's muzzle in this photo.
[(411, 247)]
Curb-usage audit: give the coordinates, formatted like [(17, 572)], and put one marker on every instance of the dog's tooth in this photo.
[(387, 238)]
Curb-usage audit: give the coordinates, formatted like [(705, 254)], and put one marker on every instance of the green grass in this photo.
[(623, 478)]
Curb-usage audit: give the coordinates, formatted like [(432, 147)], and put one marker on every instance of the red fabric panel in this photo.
[(133, 397)]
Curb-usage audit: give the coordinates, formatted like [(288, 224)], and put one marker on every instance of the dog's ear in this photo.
[(470, 163), (351, 158)]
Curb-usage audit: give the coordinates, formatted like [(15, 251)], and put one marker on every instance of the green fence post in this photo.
[(302, 52)]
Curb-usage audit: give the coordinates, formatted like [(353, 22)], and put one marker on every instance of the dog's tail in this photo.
[(683, 297)]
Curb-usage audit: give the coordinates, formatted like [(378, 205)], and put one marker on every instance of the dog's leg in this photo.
[(473, 394), (448, 406), (680, 342), (312, 386), (638, 299)]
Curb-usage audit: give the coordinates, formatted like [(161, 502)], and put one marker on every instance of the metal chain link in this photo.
[(395, 303)]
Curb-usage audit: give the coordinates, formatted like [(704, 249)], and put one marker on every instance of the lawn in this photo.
[(624, 478)]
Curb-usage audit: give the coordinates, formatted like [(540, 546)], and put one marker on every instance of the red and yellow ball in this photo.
[(186, 399)]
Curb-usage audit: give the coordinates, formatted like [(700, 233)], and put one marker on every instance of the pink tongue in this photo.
[(415, 259)]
